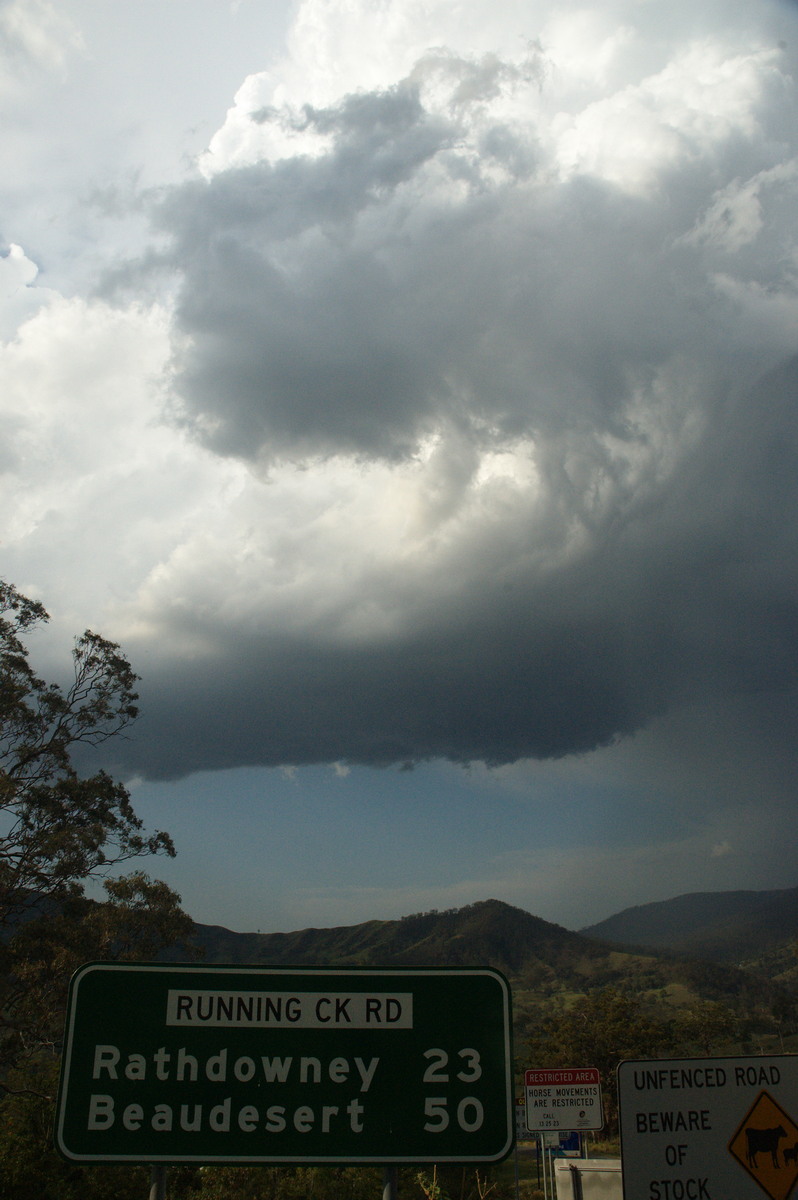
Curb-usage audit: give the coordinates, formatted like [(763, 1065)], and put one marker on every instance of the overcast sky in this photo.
[(410, 387)]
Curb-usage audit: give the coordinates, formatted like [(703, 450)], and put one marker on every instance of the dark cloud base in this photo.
[(690, 599)]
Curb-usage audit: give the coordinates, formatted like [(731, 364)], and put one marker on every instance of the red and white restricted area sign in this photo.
[(568, 1098)]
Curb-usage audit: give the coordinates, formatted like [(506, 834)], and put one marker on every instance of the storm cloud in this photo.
[(406, 384), (502, 355)]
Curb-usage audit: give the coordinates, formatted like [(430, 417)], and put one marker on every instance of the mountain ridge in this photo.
[(487, 929), (721, 926), (542, 960), (726, 927)]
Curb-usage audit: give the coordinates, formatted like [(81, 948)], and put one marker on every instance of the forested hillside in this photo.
[(544, 962), (728, 927)]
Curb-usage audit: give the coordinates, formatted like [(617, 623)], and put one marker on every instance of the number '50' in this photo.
[(470, 1114)]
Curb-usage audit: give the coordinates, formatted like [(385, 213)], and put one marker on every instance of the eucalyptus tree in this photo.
[(60, 827)]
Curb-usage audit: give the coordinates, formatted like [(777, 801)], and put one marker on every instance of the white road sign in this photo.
[(569, 1098), (709, 1128)]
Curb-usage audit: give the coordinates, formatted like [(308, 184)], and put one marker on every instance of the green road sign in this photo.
[(178, 1063)]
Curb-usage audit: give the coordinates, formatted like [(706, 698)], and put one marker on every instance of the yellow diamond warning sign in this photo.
[(766, 1146)]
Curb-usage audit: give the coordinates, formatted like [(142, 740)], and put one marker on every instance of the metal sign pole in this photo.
[(158, 1181), (576, 1181), (390, 1183), (541, 1163)]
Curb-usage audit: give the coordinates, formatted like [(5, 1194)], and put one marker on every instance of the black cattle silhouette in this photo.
[(766, 1141)]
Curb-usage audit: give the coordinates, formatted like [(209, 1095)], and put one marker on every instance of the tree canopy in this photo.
[(604, 1027), (59, 828)]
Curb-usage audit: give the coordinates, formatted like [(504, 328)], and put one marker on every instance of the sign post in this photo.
[(192, 1063), (558, 1101), (703, 1128)]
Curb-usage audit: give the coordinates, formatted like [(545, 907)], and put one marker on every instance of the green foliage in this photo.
[(286, 1183), (603, 1028), (29, 1165), (59, 829), (600, 1030), (455, 1183), (332, 1183), (704, 1028), (140, 919)]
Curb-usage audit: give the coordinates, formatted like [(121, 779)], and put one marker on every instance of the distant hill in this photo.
[(490, 933), (542, 961), (724, 927)]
